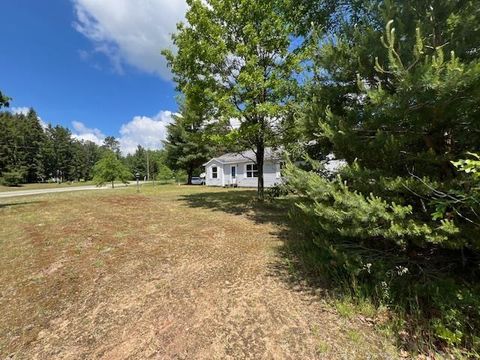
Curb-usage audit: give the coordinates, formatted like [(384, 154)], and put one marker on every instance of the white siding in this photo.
[(271, 174), (211, 181)]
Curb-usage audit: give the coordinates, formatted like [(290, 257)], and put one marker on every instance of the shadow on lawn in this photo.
[(8, 205), (293, 264), (306, 266), (241, 202)]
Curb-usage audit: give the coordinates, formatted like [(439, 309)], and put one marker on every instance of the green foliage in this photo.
[(165, 173), (44, 154), (401, 105), (21, 139), (234, 60), (469, 166), (13, 177), (112, 144), (275, 191), (187, 147), (181, 176), (4, 100), (109, 169)]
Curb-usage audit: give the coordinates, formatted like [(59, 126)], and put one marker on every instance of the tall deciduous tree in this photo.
[(236, 56)]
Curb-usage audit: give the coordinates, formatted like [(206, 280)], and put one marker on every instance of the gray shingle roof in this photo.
[(247, 156)]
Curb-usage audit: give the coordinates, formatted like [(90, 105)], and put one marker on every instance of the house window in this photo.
[(252, 171), (214, 172)]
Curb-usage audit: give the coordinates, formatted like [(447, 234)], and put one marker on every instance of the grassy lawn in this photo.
[(172, 272)]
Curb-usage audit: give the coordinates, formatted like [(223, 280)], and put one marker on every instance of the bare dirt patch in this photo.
[(174, 272)]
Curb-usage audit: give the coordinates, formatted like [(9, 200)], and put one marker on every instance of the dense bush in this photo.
[(13, 177), (400, 224)]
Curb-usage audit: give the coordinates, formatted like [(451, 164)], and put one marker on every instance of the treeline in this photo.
[(392, 87), (32, 153)]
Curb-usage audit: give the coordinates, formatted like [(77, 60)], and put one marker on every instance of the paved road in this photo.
[(9, 194)]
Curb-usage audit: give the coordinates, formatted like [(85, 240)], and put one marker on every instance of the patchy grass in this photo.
[(172, 272)]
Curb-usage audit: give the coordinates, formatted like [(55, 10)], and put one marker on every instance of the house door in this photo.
[(233, 174)]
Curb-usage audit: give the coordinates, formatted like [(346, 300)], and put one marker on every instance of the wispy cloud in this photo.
[(129, 32), (82, 132)]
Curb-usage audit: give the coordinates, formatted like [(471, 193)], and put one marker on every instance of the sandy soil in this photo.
[(173, 274)]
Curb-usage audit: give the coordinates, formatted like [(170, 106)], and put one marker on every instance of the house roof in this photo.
[(246, 156)]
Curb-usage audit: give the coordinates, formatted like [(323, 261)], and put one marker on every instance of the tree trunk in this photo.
[(260, 158), (113, 186), (190, 175)]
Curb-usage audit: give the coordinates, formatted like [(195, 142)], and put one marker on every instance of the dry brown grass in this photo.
[(173, 272)]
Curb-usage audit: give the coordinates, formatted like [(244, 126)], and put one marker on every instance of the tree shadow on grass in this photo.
[(12, 204), (292, 264), (304, 265), (241, 202)]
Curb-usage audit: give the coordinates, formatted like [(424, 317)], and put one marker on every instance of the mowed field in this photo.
[(173, 272)]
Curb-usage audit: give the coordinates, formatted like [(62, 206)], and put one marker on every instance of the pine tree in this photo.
[(395, 90), (34, 137), (186, 146), (396, 118)]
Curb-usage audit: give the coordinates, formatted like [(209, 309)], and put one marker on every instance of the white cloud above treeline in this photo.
[(129, 31), (82, 132), (146, 131), (149, 132), (24, 111)]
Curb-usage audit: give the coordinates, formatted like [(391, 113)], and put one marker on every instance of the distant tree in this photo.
[(13, 177), (8, 142), (58, 153), (157, 160), (21, 139), (112, 144), (137, 162), (4, 100), (165, 173), (85, 155), (31, 153), (109, 168), (186, 146), (33, 138)]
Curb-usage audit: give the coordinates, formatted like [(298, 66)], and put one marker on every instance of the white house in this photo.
[(240, 169)]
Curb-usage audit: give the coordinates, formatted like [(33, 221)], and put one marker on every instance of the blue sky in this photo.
[(92, 65)]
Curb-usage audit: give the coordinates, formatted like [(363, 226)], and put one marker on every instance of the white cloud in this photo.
[(130, 31), (24, 111), (20, 110), (148, 132), (81, 132)]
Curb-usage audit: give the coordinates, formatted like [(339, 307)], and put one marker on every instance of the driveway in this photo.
[(9, 194)]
